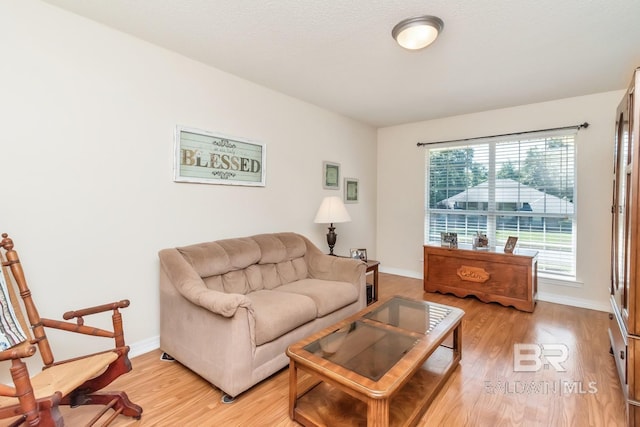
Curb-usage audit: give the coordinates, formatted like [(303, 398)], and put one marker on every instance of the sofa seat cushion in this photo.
[(328, 295), (277, 313)]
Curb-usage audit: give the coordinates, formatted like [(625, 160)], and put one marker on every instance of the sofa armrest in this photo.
[(329, 267), (185, 279)]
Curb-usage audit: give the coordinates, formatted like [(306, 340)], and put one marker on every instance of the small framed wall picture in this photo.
[(351, 190), (359, 254), (330, 175), (510, 245)]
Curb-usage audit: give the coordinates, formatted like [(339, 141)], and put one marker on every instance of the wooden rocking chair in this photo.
[(35, 401)]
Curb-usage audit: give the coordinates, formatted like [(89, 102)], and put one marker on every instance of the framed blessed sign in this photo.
[(213, 158)]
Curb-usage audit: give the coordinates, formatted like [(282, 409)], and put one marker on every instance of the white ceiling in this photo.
[(339, 54)]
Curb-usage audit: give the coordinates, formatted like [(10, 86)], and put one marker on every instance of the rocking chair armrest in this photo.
[(80, 327), (97, 309), (24, 349)]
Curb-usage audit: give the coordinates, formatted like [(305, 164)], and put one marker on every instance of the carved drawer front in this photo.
[(477, 276)]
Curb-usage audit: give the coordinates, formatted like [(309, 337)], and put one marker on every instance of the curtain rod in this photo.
[(577, 127)]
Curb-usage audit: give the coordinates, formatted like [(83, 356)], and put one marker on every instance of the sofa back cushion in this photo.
[(214, 258), (249, 264)]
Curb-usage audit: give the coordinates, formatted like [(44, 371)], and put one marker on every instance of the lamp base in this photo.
[(331, 238)]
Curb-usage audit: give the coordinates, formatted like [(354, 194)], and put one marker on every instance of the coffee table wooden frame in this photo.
[(412, 383)]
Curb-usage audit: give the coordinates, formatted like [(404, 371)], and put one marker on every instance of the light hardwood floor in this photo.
[(483, 391)]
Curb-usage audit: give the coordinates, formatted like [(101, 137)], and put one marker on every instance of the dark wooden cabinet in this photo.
[(491, 276), (624, 327)]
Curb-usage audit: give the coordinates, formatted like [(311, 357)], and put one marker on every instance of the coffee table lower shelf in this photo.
[(321, 403)]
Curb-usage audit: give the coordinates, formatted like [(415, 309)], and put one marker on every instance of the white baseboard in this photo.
[(144, 346), (574, 302), (401, 272), (542, 296)]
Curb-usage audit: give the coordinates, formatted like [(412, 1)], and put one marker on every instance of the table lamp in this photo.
[(332, 211)]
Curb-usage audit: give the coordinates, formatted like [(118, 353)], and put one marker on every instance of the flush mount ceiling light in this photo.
[(417, 33)]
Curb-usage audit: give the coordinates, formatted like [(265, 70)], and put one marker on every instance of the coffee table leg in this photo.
[(378, 413), (457, 340), (293, 388)]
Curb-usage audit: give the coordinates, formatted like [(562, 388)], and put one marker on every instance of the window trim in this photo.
[(491, 213)]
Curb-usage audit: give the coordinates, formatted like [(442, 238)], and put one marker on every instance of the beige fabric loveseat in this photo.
[(230, 308)]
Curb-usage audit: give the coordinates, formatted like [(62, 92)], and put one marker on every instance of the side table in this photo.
[(372, 270), (372, 288)]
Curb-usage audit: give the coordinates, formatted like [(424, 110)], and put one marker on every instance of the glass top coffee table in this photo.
[(379, 367)]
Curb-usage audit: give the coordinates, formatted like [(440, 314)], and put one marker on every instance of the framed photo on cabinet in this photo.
[(449, 240), (510, 245)]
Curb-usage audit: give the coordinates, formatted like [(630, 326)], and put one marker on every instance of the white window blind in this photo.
[(520, 186)]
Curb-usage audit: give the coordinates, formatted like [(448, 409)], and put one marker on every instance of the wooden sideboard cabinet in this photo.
[(624, 326), (490, 275)]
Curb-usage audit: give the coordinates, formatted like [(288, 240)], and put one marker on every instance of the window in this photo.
[(522, 186)]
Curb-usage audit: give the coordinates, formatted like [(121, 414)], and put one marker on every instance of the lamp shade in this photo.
[(332, 210)]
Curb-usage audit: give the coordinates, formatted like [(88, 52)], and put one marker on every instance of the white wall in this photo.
[(400, 227), (86, 155)]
